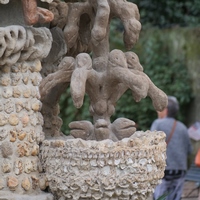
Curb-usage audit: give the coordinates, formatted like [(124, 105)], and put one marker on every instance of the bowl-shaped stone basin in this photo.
[(127, 169)]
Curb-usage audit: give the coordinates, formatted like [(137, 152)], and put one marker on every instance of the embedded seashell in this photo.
[(93, 163), (105, 170), (111, 155), (6, 167), (18, 167), (26, 184), (9, 106), (84, 163), (117, 161), (15, 68), (33, 120), (73, 163), (28, 168), (100, 162), (27, 105), (101, 155), (31, 137), (118, 191), (95, 187), (27, 149), (21, 150), (25, 120), (110, 162), (36, 105), (109, 193), (84, 188), (6, 149), (122, 166), (3, 134), (3, 119), (21, 135), (7, 92), (143, 162), (13, 120), (123, 183), (34, 92), (35, 165), (12, 183), (149, 168), (36, 80), (5, 80), (90, 155), (127, 153), (35, 150), (36, 66), (27, 92), (74, 186), (97, 195), (129, 161), (24, 67), (58, 143), (35, 182), (25, 79), (84, 155), (15, 79), (16, 93), (13, 136)]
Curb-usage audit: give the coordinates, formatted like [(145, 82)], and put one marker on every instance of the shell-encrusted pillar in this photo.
[(21, 50), (128, 169)]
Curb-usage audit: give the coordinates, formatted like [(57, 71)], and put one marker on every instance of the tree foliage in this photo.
[(162, 13)]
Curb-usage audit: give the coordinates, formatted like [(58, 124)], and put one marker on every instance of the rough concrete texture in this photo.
[(128, 169), (10, 196), (20, 118)]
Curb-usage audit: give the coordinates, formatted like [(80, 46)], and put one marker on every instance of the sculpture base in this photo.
[(11, 196), (128, 169)]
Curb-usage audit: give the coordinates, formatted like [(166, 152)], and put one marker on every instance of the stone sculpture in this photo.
[(44, 50)]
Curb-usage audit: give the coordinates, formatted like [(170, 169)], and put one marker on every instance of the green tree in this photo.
[(162, 13)]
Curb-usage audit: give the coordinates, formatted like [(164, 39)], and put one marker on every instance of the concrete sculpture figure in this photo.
[(52, 45)]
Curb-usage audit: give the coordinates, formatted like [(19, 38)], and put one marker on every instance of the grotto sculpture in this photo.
[(43, 54)]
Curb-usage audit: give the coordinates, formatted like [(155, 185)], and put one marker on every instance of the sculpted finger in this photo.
[(101, 21), (79, 78), (81, 129), (128, 13)]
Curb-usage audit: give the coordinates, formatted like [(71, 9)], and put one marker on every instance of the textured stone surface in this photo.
[(20, 118), (128, 169), (10, 196)]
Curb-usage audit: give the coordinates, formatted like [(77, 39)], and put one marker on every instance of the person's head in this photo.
[(162, 114), (172, 107)]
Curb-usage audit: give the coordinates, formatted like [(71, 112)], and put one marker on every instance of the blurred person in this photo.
[(178, 149)]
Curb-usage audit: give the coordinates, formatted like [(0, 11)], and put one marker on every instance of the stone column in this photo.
[(20, 119)]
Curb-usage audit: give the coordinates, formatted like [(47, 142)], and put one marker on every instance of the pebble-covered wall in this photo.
[(20, 119)]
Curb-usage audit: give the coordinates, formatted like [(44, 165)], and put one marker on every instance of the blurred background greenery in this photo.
[(166, 46)]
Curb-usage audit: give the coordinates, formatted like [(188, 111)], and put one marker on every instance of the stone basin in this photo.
[(127, 169)]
